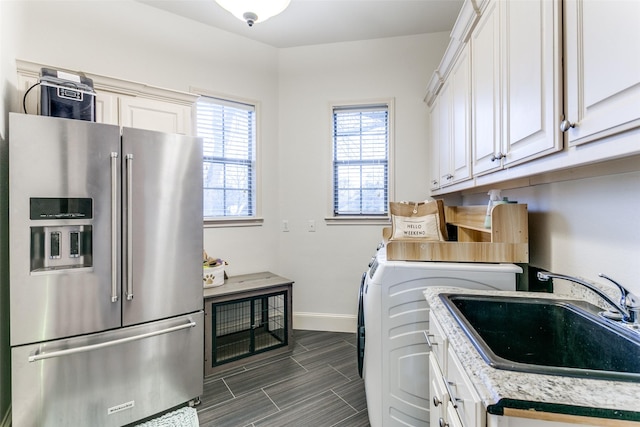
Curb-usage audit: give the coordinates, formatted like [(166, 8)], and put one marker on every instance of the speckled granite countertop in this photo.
[(501, 389)]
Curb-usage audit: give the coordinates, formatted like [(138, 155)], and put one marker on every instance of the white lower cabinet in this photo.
[(438, 393), (454, 401)]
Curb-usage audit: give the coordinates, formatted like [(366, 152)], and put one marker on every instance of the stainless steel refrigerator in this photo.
[(105, 272)]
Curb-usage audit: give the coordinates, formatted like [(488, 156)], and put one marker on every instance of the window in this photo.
[(229, 151), (361, 147)]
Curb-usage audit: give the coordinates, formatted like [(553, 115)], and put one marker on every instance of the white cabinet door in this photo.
[(485, 66), (438, 394), (517, 83), (28, 94), (453, 122), (461, 118), (107, 108), (444, 125), (155, 115), (531, 51), (434, 146), (602, 98)]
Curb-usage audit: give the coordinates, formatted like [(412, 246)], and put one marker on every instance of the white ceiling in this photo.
[(309, 22)]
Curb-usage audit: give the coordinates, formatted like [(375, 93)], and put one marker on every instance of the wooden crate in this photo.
[(506, 241)]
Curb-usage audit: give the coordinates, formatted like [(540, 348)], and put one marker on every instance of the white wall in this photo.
[(327, 264), (585, 226)]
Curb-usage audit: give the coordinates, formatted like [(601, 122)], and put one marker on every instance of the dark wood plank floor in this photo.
[(316, 385)]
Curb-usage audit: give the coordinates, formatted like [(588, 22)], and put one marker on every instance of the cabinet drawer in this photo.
[(464, 397)]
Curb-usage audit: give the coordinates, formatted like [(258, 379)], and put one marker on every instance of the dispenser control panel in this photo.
[(59, 245)]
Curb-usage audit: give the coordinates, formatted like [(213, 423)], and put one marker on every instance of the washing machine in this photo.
[(393, 357)]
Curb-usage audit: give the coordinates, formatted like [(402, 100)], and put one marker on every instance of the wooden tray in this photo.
[(506, 241)]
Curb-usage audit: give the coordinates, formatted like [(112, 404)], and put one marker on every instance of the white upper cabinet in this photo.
[(516, 86), (485, 84), (434, 146), (603, 68), (459, 166), (450, 119), (120, 102), (532, 79), (150, 114)]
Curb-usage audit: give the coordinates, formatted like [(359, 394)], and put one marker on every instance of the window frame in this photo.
[(237, 221), (384, 219)]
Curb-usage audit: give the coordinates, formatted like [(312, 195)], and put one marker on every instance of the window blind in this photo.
[(228, 132), (360, 160)]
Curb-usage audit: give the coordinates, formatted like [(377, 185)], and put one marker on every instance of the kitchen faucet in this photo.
[(629, 306)]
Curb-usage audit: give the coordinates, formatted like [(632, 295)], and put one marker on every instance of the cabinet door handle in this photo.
[(497, 157), (565, 125), (429, 343), (454, 400), (436, 401), (442, 423)]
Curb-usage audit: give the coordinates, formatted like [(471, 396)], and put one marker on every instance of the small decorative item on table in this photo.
[(213, 271)]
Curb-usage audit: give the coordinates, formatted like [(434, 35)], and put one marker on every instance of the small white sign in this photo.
[(121, 407)]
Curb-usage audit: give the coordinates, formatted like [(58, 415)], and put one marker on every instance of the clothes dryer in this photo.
[(392, 318)]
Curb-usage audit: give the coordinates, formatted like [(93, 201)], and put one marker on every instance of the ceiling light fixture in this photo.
[(252, 11)]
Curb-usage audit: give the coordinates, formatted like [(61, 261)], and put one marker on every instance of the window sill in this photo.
[(358, 220), (233, 222)]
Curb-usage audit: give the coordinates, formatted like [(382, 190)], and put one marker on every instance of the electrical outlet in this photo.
[(285, 225), (311, 226)]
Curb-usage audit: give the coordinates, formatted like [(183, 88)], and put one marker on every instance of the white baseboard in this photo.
[(325, 322), (6, 420)]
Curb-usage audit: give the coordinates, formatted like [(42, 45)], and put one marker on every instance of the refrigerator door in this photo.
[(111, 378), (64, 192), (162, 225)]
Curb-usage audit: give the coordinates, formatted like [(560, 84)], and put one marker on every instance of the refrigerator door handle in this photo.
[(114, 226), (129, 158), (41, 356)]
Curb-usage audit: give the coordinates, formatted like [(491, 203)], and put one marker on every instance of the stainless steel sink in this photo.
[(547, 336)]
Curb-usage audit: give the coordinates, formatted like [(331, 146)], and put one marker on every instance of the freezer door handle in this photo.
[(41, 356), (114, 227), (129, 158)]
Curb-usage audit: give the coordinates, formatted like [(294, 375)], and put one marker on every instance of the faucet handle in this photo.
[(627, 299)]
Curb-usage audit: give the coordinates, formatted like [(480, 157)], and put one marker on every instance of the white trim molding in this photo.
[(325, 322)]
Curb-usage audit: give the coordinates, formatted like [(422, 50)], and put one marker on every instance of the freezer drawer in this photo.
[(111, 378)]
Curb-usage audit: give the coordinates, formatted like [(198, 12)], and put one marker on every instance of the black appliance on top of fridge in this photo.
[(105, 272), (67, 95)]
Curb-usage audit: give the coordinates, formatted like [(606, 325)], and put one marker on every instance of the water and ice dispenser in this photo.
[(60, 245)]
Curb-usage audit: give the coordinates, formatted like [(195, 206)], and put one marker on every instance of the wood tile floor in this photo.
[(315, 385)]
